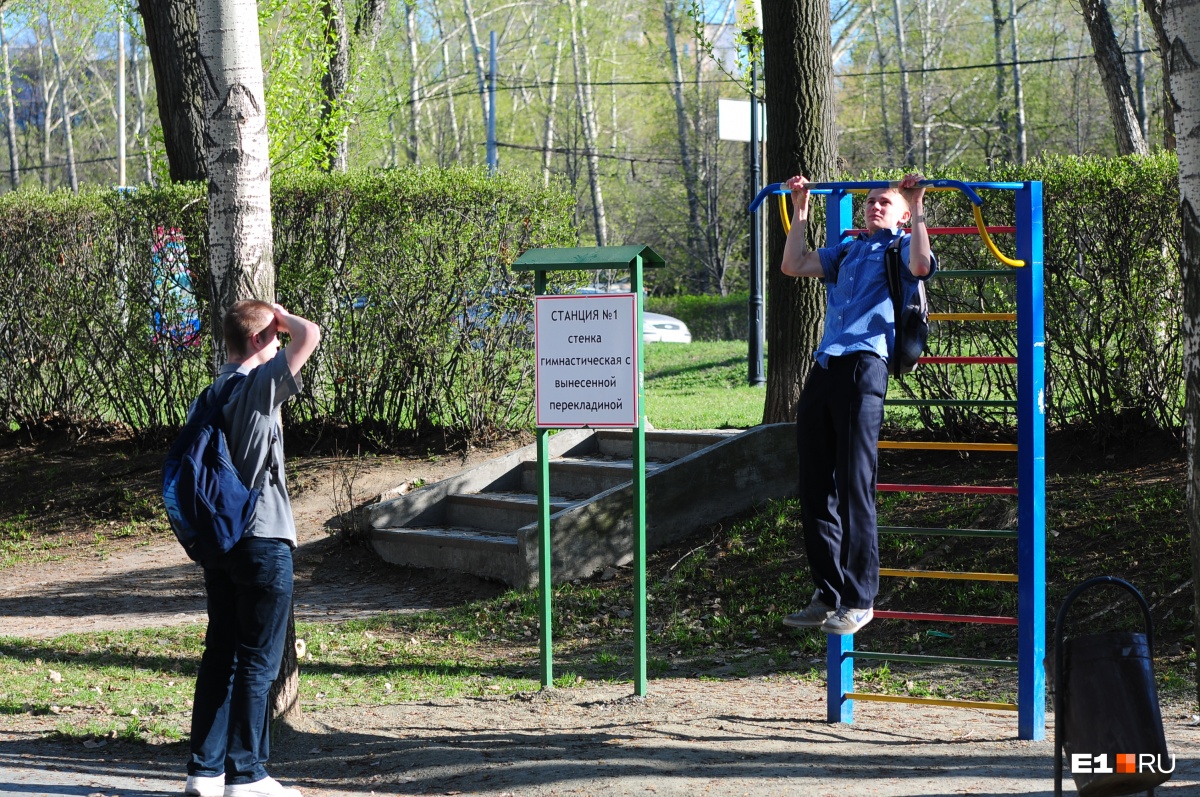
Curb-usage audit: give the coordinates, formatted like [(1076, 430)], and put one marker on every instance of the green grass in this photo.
[(700, 385)]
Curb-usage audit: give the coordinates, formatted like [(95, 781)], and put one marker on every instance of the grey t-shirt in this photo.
[(256, 440)]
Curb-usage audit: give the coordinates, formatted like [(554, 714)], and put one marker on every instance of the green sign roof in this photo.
[(588, 257)]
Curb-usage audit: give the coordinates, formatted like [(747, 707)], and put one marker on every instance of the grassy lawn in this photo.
[(700, 385)]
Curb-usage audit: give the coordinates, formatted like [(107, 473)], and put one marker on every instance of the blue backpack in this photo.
[(207, 503)]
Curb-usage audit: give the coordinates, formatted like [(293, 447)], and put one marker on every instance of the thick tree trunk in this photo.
[(1181, 26), (803, 140), (171, 38), (14, 162), (236, 154), (1114, 76)]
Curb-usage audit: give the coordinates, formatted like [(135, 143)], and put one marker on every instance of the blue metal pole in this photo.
[(839, 666), (1031, 468)]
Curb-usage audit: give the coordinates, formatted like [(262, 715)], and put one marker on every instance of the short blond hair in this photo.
[(244, 320)]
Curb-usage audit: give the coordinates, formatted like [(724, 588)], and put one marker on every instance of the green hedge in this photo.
[(407, 271)]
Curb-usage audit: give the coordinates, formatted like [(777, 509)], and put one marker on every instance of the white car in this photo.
[(659, 328)]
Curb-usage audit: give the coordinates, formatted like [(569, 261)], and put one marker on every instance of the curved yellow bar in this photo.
[(890, 571), (919, 445), (987, 239), (932, 701), (783, 214)]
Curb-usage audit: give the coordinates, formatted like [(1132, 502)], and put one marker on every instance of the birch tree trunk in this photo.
[(906, 120), (803, 140), (141, 80), (48, 89), (477, 52), (1154, 9), (1181, 25), (1022, 147), (64, 103), (240, 246), (998, 24), (883, 92), (587, 118), (414, 85), (14, 162), (551, 111), (1114, 76), (690, 175)]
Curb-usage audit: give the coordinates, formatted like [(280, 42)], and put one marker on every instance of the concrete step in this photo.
[(581, 477), (498, 511), (483, 553), (661, 444)]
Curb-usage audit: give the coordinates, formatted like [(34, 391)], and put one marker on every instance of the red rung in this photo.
[(946, 618), (949, 230), (968, 489), (955, 360)]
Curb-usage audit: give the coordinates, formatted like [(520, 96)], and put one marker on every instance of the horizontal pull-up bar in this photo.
[(868, 185)]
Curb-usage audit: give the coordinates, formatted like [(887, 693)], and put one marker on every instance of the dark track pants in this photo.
[(837, 436)]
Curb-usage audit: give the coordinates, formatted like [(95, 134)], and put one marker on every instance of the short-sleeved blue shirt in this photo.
[(859, 315)]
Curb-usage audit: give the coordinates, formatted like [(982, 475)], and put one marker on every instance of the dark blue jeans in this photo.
[(837, 437), (249, 600)]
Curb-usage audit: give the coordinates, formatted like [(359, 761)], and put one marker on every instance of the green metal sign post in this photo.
[(634, 258)]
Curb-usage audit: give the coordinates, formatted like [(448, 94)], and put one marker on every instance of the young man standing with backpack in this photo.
[(250, 587), (840, 411)]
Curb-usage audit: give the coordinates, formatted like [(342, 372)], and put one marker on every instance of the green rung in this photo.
[(950, 403), (992, 533), (979, 272), (919, 659)]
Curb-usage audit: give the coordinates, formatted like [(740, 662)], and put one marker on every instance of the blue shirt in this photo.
[(860, 315)]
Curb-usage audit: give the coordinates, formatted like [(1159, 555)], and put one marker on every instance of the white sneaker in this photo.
[(205, 786), (267, 787), (812, 615)]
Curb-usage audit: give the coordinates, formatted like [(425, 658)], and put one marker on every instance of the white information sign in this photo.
[(586, 368), (733, 120)]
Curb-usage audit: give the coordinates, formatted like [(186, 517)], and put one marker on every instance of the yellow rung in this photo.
[(889, 571), (925, 446), (930, 701), (972, 316)]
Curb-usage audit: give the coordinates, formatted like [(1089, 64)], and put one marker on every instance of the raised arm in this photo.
[(798, 261), (919, 254), (305, 337)]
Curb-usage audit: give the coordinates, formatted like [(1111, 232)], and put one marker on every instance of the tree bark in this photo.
[(1114, 76), (906, 120), (881, 54), (171, 38), (1154, 9), (551, 111), (1181, 28), (999, 21), (64, 103), (240, 246), (803, 140), (14, 160), (587, 118), (690, 175), (414, 85), (1022, 145), (334, 84)]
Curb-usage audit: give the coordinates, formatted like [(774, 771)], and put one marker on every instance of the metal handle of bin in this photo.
[(1059, 621)]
